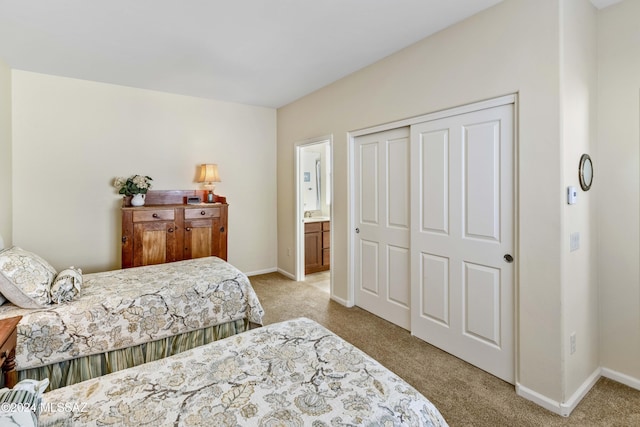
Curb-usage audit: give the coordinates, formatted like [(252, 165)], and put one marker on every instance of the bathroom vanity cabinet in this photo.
[(317, 246)]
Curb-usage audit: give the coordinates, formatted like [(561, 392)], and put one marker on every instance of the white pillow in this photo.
[(21, 405), (66, 285), (25, 278), (15, 415)]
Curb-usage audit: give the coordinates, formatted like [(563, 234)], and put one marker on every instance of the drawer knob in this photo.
[(202, 212), (155, 215)]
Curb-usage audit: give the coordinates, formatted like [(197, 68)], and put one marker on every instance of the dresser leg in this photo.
[(9, 370)]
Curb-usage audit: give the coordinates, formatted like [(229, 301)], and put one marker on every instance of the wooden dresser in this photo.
[(166, 229), (8, 340)]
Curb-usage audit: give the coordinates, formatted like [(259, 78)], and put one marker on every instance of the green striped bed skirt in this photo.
[(84, 368)]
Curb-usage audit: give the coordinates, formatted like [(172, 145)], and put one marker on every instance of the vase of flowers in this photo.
[(135, 186), (137, 199)]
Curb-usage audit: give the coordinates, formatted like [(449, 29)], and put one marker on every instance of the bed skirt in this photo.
[(84, 368)]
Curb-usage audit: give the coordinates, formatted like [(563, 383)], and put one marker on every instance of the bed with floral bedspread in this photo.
[(294, 373), (157, 310)]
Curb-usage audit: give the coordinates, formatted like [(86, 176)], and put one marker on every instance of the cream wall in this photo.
[(617, 178), (72, 137), (578, 126), (510, 48), (5, 153)]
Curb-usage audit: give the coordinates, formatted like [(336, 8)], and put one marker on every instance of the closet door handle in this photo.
[(222, 229), (170, 230), (508, 258), (188, 228), (357, 231)]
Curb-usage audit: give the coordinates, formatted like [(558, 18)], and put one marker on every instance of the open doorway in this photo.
[(314, 172)]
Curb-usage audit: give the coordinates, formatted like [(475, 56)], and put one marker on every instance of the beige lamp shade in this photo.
[(209, 173)]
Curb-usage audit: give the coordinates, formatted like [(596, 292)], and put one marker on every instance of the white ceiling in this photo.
[(258, 52)]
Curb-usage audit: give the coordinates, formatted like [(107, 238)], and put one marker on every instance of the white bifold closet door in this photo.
[(462, 237), (382, 266)]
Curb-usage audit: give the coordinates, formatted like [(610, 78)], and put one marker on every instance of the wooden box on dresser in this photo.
[(166, 229)]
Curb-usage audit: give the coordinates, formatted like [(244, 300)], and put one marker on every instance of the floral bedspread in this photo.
[(121, 308), (294, 373)]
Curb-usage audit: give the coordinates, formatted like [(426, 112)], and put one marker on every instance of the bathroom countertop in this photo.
[(317, 219)]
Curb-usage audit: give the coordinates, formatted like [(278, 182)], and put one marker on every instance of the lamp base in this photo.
[(210, 196)]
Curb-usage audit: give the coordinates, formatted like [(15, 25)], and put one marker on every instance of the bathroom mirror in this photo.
[(585, 172), (311, 180)]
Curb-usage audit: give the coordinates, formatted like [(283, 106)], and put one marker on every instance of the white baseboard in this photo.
[(621, 378), (568, 406), (539, 399), (265, 271), (287, 274), (341, 301), (561, 408)]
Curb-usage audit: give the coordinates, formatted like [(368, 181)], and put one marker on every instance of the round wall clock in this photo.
[(585, 172)]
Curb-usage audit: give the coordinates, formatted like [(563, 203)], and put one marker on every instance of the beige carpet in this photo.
[(466, 395)]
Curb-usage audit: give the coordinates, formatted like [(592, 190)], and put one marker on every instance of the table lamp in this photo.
[(209, 175)]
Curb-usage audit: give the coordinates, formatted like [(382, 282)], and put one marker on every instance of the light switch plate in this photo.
[(572, 195), (574, 244)]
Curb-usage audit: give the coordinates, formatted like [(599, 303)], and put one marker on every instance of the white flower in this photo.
[(135, 184), (119, 182), (140, 181)]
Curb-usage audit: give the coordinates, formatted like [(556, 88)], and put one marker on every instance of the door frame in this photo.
[(299, 213), (463, 109)]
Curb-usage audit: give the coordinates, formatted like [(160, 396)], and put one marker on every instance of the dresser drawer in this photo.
[(201, 213), (153, 215)]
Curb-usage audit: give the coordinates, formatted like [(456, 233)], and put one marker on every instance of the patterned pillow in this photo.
[(21, 405), (25, 278), (66, 285)]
